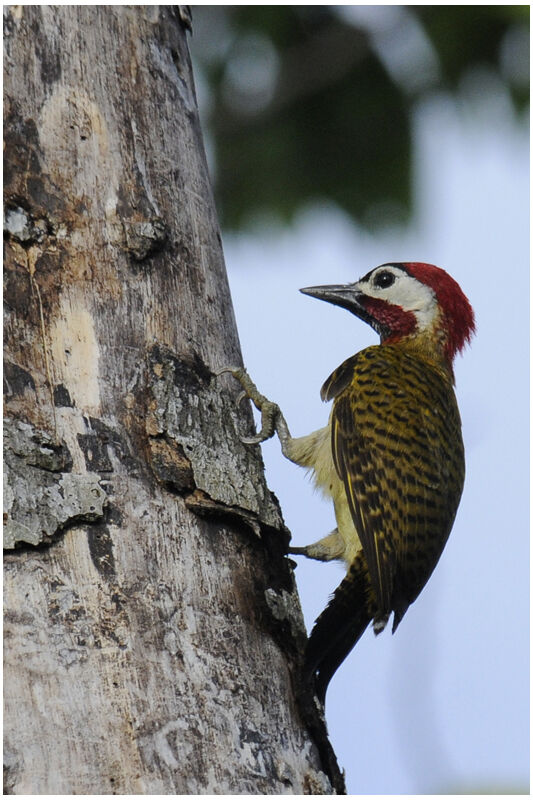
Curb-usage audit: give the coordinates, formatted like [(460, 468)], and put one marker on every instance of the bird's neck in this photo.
[(429, 346)]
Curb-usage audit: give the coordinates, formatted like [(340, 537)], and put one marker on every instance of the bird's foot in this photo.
[(270, 412)]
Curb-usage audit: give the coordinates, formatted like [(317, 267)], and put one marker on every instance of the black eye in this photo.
[(384, 279)]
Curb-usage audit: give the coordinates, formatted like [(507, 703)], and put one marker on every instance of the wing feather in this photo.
[(397, 447)]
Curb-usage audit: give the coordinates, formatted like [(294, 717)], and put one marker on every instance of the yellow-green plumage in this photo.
[(392, 459), (397, 446)]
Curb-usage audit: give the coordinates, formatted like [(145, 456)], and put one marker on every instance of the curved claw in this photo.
[(235, 371), (243, 395), (254, 439)]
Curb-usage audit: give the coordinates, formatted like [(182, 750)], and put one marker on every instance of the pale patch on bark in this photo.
[(76, 355)]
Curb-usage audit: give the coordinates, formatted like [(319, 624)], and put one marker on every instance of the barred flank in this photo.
[(400, 455)]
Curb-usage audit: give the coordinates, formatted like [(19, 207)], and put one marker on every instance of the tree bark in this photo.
[(152, 627)]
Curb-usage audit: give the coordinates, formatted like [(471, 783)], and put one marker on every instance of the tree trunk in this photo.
[(152, 627)]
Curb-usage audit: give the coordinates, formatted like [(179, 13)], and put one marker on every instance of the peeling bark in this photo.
[(152, 627), (41, 496)]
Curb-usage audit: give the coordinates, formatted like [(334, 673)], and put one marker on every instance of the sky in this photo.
[(443, 705)]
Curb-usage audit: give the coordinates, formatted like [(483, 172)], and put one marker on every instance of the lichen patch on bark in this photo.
[(42, 497)]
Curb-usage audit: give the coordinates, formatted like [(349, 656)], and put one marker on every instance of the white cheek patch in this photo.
[(408, 293)]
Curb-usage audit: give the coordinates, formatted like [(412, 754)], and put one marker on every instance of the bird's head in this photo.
[(408, 301)]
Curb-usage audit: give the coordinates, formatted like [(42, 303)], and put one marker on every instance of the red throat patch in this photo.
[(400, 323)]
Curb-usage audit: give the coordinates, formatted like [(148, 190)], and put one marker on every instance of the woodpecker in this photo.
[(391, 457)]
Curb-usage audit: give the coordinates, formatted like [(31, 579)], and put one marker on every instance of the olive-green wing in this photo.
[(397, 446)]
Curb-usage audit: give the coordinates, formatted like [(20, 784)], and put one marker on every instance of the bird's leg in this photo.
[(272, 420), (330, 548), (300, 451)]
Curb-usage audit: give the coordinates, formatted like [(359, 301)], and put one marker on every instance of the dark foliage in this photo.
[(306, 105)]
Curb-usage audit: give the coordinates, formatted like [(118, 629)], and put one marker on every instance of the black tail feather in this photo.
[(338, 628)]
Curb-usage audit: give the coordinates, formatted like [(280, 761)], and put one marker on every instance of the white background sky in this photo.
[(441, 706)]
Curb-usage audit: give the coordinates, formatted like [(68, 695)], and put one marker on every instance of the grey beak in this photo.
[(346, 296)]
